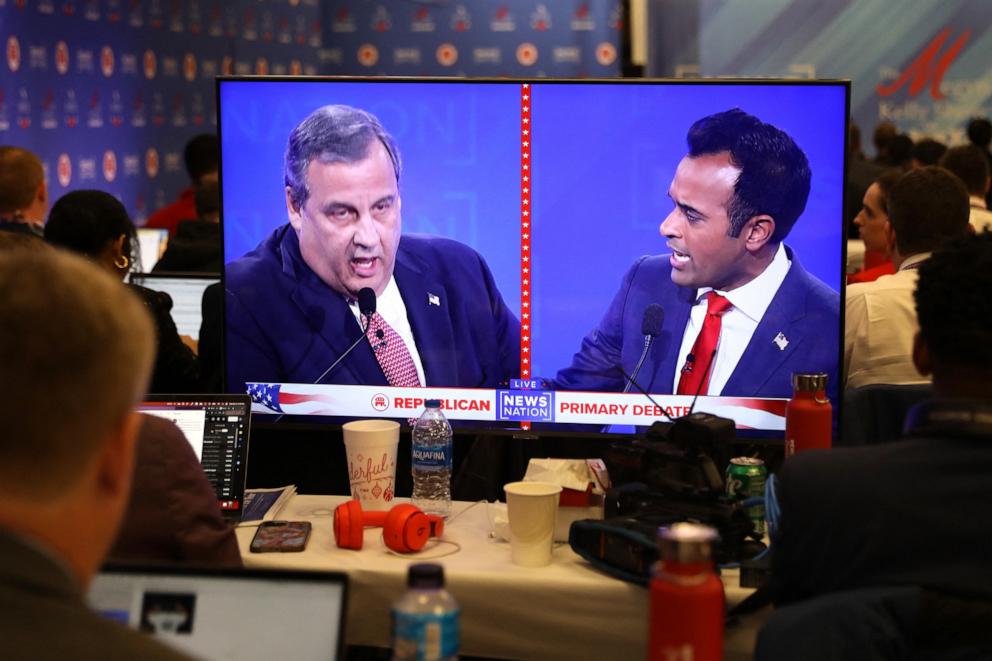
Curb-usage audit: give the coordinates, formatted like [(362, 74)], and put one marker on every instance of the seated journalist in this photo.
[(292, 302), (76, 352), (907, 518), (732, 292)]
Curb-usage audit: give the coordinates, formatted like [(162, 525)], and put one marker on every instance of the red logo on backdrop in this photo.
[(13, 53), (227, 65), (149, 63), (151, 162), (606, 53), (261, 66), (582, 11), (527, 54), (447, 55), (109, 165), (107, 61), (380, 402), (61, 57), (924, 70), (295, 67), (189, 67), (63, 169), (368, 55)]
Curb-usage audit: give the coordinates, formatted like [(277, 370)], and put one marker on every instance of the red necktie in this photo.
[(392, 354), (697, 363)]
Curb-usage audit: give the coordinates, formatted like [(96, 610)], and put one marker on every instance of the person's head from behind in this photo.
[(76, 351), (873, 219), (970, 165), (95, 224), (980, 132), (954, 310), (206, 199), (736, 196), (900, 151), (881, 137), (202, 156), (23, 193), (927, 152), (926, 207), (342, 175)]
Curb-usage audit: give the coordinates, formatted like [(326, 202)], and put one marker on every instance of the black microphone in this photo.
[(630, 381), (651, 322), (702, 381), (366, 307)]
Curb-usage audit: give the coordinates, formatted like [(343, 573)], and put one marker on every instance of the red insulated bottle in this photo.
[(808, 415), (686, 597)]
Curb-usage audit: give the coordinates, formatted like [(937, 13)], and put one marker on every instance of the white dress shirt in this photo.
[(737, 325), (392, 309), (879, 326), (980, 217)]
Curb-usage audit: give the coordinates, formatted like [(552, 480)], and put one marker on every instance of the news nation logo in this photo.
[(109, 165), (447, 55), (368, 55), (151, 162), (924, 69), (422, 20), (150, 64), (63, 170), (343, 21), (525, 405), (527, 54), (13, 53), (62, 57), (380, 402), (107, 61)]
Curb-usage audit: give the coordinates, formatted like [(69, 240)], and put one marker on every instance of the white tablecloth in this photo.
[(567, 610)]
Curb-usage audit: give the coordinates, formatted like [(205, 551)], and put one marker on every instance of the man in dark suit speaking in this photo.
[(740, 314), (292, 303)]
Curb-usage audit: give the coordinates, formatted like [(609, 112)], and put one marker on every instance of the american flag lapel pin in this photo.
[(433, 299), (781, 341)]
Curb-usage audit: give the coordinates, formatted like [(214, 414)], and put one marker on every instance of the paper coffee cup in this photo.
[(371, 449), (532, 508)]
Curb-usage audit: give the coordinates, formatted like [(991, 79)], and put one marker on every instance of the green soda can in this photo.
[(746, 478)]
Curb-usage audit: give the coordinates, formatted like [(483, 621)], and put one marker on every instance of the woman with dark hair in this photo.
[(95, 224)]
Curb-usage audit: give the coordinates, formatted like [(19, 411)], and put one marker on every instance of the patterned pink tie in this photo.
[(392, 354)]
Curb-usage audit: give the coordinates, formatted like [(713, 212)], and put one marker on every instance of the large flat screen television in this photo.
[(540, 252)]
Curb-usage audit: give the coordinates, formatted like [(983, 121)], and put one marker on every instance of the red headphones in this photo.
[(405, 527)]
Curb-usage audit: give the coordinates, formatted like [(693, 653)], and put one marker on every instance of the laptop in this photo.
[(151, 245), (236, 614), (186, 291), (217, 426)]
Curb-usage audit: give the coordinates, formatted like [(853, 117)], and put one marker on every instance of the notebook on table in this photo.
[(218, 428), (222, 614)]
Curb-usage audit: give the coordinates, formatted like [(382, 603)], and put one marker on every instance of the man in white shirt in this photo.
[(969, 163), (926, 207)]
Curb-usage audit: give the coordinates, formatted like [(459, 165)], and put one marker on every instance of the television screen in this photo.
[(543, 253)]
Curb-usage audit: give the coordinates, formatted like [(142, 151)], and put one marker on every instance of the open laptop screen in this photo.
[(217, 427), (186, 291), (239, 615), (151, 244)]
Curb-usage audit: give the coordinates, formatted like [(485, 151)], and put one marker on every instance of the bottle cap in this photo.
[(686, 542), (433, 403), (425, 576), (809, 382)]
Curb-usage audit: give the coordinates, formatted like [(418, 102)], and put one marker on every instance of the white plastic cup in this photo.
[(532, 508), (371, 449)]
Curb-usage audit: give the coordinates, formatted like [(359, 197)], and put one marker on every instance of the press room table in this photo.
[(566, 610)]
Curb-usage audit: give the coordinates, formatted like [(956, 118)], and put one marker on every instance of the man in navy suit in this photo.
[(729, 277), (292, 302)]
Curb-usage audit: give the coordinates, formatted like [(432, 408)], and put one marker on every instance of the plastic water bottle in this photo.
[(431, 461), (425, 618), (686, 597)]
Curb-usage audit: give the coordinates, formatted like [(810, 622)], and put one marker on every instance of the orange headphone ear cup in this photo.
[(406, 529), (348, 527)]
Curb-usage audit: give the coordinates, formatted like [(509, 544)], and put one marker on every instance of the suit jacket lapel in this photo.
[(426, 301)]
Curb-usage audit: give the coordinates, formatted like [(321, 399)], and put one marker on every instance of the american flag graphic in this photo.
[(292, 399)]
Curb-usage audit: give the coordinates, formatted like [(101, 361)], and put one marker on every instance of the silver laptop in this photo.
[(229, 614)]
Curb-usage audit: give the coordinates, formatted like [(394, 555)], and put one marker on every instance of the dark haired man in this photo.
[(926, 207), (893, 539), (972, 167), (23, 192), (741, 314), (292, 306), (980, 134), (202, 159)]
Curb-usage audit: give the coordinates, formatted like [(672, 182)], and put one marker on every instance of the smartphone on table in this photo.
[(280, 536)]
